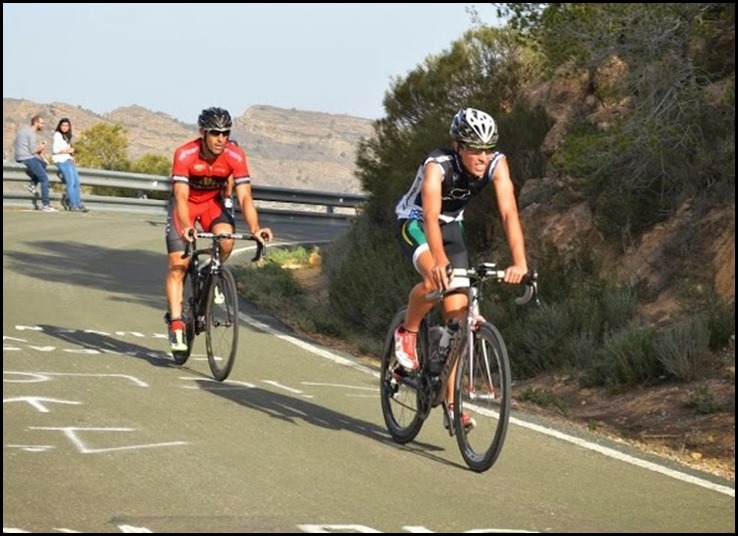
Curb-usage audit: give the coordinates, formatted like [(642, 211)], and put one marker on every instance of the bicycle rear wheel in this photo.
[(483, 389), (221, 324), (398, 391), (189, 312)]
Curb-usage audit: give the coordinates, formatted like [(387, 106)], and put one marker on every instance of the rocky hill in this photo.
[(291, 148)]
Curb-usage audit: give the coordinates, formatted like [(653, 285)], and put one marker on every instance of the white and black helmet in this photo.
[(474, 127), (215, 119)]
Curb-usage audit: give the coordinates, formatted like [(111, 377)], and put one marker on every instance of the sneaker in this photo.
[(49, 208), (177, 341), (218, 297), (405, 342), (466, 420), (31, 187)]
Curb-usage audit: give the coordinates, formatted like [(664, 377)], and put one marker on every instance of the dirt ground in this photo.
[(655, 419)]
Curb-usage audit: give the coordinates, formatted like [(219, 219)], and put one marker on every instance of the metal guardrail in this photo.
[(301, 204)]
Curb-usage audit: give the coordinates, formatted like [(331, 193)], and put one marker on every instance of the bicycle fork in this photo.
[(477, 388)]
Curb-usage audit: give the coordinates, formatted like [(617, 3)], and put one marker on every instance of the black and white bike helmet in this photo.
[(474, 127), (215, 119)]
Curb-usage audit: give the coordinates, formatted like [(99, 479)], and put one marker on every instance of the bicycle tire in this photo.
[(398, 391), (189, 313), (483, 389), (221, 324)]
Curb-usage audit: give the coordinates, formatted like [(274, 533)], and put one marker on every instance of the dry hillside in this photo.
[(290, 148)]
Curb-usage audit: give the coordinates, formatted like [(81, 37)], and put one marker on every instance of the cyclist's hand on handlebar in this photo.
[(263, 234), (439, 275), (189, 234), (514, 274)]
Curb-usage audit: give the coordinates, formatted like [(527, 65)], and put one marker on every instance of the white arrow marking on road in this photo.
[(71, 433), (37, 402), (33, 448), (282, 386), (37, 377)]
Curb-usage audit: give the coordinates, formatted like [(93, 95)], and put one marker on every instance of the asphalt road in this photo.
[(102, 432)]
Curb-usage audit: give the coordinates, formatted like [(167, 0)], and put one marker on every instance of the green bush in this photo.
[(627, 359), (683, 348)]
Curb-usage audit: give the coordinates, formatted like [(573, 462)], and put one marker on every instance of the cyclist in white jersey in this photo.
[(430, 223)]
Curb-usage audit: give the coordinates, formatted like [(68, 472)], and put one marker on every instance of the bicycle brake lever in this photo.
[(188, 250), (438, 294), (260, 251), (189, 245), (434, 296), (531, 289)]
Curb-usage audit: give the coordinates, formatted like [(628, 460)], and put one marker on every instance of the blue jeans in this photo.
[(71, 178), (37, 171)]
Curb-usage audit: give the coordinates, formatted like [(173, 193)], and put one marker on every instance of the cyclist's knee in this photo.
[(177, 271)]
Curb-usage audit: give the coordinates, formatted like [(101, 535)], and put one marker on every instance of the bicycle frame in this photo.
[(210, 302), (202, 287), (460, 346), (472, 315), (477, 361)]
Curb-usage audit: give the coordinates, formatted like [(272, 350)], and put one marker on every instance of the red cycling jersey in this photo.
[(207, 179)]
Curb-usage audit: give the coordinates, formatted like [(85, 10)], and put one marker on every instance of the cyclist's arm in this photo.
[(229, 187), (507, 204), (248, 209), (432, 180), (181, 193)]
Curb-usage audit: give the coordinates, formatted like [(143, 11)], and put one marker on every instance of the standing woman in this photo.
[(62, 155)]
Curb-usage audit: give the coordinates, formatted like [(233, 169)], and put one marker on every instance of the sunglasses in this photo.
[(479, 149), (216, 133)]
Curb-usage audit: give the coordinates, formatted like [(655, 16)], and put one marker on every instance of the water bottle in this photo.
[(440, 341)]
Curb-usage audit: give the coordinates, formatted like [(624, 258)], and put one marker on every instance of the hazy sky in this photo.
[(181, 58)]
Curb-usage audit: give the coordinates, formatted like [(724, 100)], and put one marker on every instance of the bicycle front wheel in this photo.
[(221, 324), (398, 391), (483, 390), (189, 313)]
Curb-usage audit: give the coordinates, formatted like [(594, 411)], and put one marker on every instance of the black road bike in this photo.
[(210, 302), (482, 380)]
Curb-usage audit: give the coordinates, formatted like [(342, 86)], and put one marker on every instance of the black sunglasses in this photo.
[(216, 133)]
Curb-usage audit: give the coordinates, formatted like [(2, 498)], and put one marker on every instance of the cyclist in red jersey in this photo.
[(200, 173)]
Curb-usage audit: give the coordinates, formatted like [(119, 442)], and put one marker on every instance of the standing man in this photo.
[(30, 153), (200, 173)]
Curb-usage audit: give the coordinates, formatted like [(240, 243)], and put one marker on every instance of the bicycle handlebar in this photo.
[(488, 270), (217, 237)]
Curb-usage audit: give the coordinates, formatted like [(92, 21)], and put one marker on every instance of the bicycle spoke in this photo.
[(484, 391), (221, 324), (398, 393)]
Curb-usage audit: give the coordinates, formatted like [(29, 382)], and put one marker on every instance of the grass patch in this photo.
[(702, 401), (544, 398)]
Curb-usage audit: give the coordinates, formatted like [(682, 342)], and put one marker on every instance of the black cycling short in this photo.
[(411, 236)]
